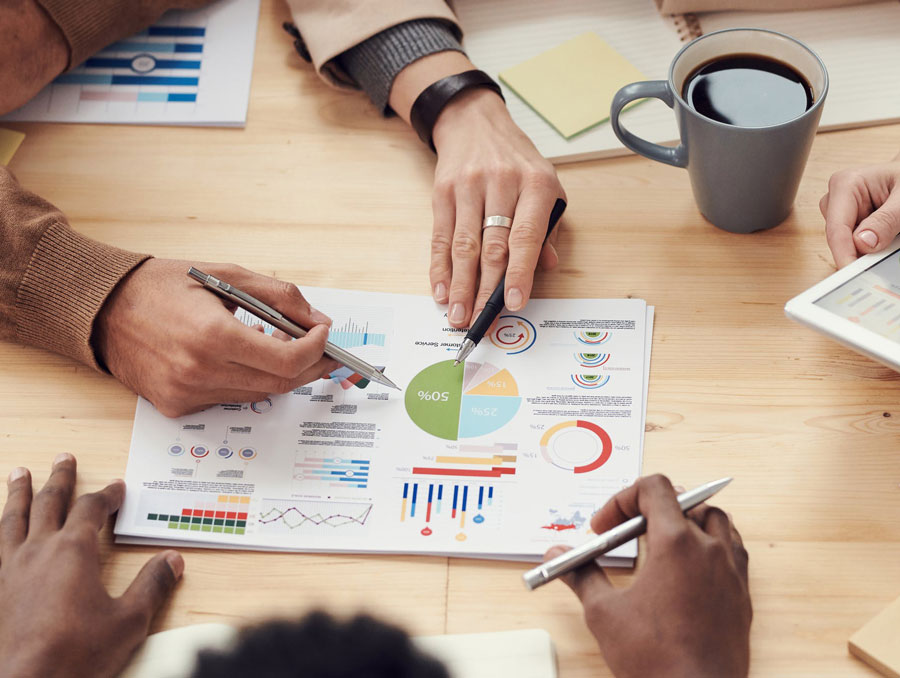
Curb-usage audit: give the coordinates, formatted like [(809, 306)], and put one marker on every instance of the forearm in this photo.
[(53, 280), (33, 51)]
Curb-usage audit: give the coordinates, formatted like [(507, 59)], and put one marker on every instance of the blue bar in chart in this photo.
[(459, 507), (352, 334), (156, 47), (107, 62), (336, 471), (109, 79), (175, 31)]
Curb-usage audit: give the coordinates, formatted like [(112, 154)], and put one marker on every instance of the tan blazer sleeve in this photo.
[(53, 280), (331, 27), (681, 6)]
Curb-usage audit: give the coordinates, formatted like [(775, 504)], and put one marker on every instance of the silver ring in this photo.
[(502, 222)]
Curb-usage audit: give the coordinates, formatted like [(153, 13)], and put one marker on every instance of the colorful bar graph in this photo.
[(460, 506), (336, 471), (351, 334), (403, 505), (115, 95)]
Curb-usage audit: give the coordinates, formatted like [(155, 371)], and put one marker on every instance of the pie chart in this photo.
[(462, 401), (578, 446)]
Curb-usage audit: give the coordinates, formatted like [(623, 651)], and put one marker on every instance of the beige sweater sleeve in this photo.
[(681, 6), (331, 27), (53, 280)]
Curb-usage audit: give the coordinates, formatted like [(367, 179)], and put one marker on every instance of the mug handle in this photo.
[(657, 89)]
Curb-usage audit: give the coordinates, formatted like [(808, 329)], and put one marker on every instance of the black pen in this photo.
[(494, 305)]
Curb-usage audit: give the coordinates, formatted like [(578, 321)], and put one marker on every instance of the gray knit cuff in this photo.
[(374, 63)]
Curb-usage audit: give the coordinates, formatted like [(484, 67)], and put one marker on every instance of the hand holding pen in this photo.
[(689, 601)]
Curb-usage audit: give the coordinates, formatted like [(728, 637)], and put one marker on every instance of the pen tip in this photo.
[(456, 362)]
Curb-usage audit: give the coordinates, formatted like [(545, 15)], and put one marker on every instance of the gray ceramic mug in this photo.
[(744, 178)]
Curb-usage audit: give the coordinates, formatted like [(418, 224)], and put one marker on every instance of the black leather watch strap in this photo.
[(435, 97)]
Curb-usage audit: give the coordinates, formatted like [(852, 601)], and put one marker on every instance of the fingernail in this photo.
[(176, 562), (868, 237), (62, 457), (16, 473), (678, 488), (514, 299), (440, 293), (319, 317), (457, 313)]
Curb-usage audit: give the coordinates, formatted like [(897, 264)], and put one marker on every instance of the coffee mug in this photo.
[(744, 179)]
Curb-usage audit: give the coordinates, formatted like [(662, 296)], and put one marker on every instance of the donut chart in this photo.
[(578, 446), (514, 334), (463, 401)]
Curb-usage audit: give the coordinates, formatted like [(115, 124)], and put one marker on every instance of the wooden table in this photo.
[(318, 181)]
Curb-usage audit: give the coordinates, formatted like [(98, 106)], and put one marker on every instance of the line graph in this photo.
[(293, 515)]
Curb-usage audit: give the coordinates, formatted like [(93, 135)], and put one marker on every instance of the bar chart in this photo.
[(189, 68), (219, 514), (328, 470), (456, 505)]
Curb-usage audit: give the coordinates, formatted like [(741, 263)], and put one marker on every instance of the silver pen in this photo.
[(606, 542), (265, 312)]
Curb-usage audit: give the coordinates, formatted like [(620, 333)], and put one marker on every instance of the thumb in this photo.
[(877, 230), (153, 585)]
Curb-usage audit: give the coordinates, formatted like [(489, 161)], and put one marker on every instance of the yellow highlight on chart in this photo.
[(501, 383)]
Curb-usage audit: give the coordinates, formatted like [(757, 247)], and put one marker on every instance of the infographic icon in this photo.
[(462, 401), (578, 446), (592, 338), (514, 334)]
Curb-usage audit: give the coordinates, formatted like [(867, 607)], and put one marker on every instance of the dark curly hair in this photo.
[(320, 646)]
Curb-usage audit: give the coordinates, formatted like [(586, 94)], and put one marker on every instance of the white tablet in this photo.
[(858, 306)]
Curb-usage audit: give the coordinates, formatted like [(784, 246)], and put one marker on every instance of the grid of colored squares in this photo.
[(227, 516)]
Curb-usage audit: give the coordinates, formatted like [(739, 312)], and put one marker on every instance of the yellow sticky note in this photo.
[(9, 144), (571, 86)]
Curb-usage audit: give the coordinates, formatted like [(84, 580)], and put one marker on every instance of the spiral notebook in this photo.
[(858, 44)]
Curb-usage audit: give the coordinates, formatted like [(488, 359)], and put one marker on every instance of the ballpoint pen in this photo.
[(606, 542), (495, 304), (265, 312)]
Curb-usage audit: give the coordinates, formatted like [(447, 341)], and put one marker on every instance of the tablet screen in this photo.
[(871, 298)]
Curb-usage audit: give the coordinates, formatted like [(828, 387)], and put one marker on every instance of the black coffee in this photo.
[(747, 90)]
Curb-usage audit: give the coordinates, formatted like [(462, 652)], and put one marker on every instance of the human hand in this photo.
[(862, 210), (58, 620), (180, 346), (487, 166), (687, 612)]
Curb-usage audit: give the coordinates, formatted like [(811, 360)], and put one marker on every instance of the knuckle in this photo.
[(883, 221), (440, 245), (494, 252), (53, 492), (655, 483), (78, 538), (845, 178), (465, 246), (526, 232), (442, 192), (542, 178)]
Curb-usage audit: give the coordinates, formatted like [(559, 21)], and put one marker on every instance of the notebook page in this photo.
[(503, 33), (860, 46)]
